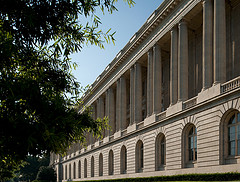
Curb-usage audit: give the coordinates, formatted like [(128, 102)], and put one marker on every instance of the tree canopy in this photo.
[(38, 93)]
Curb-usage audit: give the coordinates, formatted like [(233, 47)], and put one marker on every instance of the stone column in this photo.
[(183, 61), (157, 79), (111, 110), (150, 83), (106, 111), (100, 109), (219, 42), (123, 103), (174, 66), (138, 92), (207, 43), (93, 111), (118, 99), (132, 95)]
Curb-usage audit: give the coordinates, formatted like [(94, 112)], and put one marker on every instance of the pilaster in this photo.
[(174, 66), (219, 41), (157, 79), (150, 83), (123, 103), (183, 61), (207, 43), (132, 95), (138, 92)]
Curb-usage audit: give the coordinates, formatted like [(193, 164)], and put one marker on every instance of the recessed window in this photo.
[(139, 156), (189, 146), (192, 144), (85, 168), (110, 163), (92, 166), (160, 152), (123, 160), (234, 135), (100, 164), (74, 170), (79, 169)]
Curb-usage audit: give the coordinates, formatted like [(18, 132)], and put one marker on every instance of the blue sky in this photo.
[(126, 21)]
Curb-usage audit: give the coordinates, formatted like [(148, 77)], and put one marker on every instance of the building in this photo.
[(172, 95)]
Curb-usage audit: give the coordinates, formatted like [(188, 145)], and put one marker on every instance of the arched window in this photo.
[(233, 131), (74, 170), (92, 166), (231, 137), (192, 144), (139, 156), (100, 164), (66, 172), (160, 152), (85, 168), (70, 171), (79, 169), (62, 173), (123, 162), (189, 147), (110, 163)]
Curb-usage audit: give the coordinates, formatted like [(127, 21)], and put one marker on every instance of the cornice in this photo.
[(156, 18)]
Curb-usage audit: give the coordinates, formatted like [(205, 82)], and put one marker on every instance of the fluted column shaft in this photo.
[(106, 111), (132, 95), (118, 106), (183, 61), (219, 41), (174, 66), (123, 103), (207, 43), (111, 110), (138, 92), (150, 83), (157, 79), (100, 109)]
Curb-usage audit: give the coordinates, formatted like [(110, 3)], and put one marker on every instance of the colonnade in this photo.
[(114, 102)]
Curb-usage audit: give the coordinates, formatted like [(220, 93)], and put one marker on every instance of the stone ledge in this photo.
[(106, 139), (209, 93), (174, 108), (117, 134), (149, 120), (132, 128)]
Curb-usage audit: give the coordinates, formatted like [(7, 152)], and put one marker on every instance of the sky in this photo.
[(125, 22)]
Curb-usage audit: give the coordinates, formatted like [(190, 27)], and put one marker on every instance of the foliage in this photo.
[(31, 167), (185, 177), (46, 173), (38, 94)]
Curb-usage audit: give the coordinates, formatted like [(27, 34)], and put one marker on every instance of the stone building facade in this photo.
[(172, 96)]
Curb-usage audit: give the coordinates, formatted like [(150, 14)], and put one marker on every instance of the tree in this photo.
[(31, 167), (38, 94), (46, 173)]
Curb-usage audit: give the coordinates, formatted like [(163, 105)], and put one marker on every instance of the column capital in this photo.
[(183, 21), (206, 1)]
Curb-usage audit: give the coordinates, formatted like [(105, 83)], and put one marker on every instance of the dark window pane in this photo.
[(232, 120)]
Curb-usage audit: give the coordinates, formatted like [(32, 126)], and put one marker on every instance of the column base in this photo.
[(132, 128), (97, 143), (150, 119), (106, 139), (174, 108), (117, 134), (209, 93)]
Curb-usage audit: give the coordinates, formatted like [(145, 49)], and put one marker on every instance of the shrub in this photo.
[(185, 177), (46, 174)]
